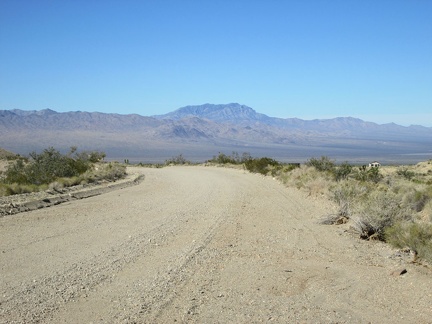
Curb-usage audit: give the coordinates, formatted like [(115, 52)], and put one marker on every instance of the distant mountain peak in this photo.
[(232, 112)]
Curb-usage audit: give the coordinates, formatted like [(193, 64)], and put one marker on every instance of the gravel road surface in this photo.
[(201, 245)]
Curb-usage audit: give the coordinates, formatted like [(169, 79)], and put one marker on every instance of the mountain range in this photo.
[(200, 132)]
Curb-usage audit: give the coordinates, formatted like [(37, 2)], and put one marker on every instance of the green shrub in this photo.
[(46, 167), (16, 173), (179, 159), (364, 173), (342, 171), (234, 158), (261, 165), (416, 236), (57, 170), (374, 175), (322, 164), (407, 174)]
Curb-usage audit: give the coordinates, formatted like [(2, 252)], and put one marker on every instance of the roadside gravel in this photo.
[(200, 245)]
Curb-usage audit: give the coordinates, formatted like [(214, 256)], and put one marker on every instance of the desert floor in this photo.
[(201, 245)]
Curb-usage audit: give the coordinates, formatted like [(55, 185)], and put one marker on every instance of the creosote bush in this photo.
[(322, 164), (342, 171), (234, 158), (176, 160), (46, 167), (407, 174), (262, 165), (53, 170)]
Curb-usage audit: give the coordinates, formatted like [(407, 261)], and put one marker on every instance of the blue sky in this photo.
[(308, 59)]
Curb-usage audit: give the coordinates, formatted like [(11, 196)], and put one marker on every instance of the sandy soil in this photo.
[(201, 245)]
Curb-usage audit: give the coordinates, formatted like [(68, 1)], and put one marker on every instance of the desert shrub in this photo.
[(46, 167), (16, 173), (104, 172), (56, 186), (364, 173), (224, 159), (374, 175), (415, 196), (283, 171), (416, 236), (16, 189), (290, 167), (417, 199), (111, 172), (179, 159), (69, 182), (360, 174), (300, 177), (321, 164), (346, 194), (58, 170), (342, 171), (405, 173), (261, 165), (307, 178), (318, 186), (234, 158), (379, 211)]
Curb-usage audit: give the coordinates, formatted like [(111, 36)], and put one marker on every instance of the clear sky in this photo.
[(309, 59)]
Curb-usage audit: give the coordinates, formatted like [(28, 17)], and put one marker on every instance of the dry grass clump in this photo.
[(426, 213), (307, 178), (378, 212), (417, 236), (413, 195), (346, 194), (17, 189), (101, 172)]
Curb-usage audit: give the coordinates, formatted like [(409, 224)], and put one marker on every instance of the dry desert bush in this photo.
[(392, 204)]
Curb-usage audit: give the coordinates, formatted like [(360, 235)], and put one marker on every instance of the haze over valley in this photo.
[(200, 132)]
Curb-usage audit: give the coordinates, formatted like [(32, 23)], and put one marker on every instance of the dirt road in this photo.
[(200, 245)]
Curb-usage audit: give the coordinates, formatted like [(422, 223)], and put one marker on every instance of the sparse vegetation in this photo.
[(381, 209), (393, 204), (262, 165), (406, 173), (52, 169), (323, 164), (413, 235), (234, 158), (179, 159), (342, 171)]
